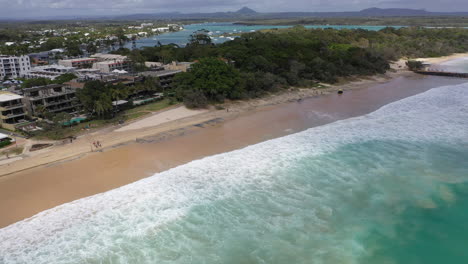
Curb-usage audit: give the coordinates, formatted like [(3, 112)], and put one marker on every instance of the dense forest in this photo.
[(260, 62)]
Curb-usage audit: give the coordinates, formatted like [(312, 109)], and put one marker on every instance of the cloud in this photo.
[(37, 8)]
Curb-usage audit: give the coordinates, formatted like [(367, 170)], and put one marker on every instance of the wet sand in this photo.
[(26, 193)]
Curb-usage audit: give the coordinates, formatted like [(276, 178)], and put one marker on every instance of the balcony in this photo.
[(8, 116), (59, 102), (63, 108), (9, 107), (50, 94)]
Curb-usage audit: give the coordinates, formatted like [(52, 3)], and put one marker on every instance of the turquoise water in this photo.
[(387, 187), (181, 37)]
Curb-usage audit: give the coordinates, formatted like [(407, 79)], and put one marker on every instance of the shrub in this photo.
[(195, 99), (5, 143)]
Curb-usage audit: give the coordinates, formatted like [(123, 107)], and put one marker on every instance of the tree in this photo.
[(195, 99), (212, 77), (66, 77), (60, 118), (199, 38), (96, 98), (73, 49), (35, 82), (91, 48)]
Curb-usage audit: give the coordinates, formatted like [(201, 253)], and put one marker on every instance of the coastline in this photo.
[(68, 172), (437, 60), (115, 136)]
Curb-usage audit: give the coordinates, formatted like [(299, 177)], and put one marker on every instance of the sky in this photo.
[(50, 8)]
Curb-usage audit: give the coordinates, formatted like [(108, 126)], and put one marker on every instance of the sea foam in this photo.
[(301, 197)]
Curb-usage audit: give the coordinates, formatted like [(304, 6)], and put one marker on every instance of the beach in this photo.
[(368, 182), (438, 60), (71, 171)]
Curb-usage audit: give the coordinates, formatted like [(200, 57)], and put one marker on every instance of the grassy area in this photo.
[(127, 115), (136, 115), (12, 152), (5, 143), (151, 107)]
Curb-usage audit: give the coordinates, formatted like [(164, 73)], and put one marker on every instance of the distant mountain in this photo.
[(393, 12), (246, 11)]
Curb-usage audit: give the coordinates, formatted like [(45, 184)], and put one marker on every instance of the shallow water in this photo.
[(220, 29), (387, 187)]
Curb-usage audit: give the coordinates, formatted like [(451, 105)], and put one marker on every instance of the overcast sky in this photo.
[(44, 8)]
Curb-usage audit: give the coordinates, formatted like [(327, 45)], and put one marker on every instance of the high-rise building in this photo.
[(14, 66)]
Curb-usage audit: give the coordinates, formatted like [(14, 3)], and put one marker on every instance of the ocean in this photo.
[(221, 31), (387, 187)]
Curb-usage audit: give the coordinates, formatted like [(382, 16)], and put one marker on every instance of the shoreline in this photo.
[(438, 60), (115, 136), (136, 154)]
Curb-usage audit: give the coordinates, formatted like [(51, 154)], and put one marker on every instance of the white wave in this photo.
[(88, 229)]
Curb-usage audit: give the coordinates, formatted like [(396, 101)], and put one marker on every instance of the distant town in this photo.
[(33, 85)]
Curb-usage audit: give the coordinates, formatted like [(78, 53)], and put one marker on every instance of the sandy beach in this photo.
[(443, 59), (69, 171)]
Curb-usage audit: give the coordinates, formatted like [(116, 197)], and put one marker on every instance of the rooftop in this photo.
[(109, 56), (53, 66), (8, 96), (160, 73), (3, 136), (111, 62), (80, 59)]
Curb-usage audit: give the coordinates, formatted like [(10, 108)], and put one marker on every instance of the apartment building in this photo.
[(108, 57), (107, 63), (14, 66), (48, 71), (164, 77), (80, 63), (111, 66), (52, 98), (12, 112)]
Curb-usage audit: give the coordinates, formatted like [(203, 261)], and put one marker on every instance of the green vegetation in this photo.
[(414, 65), (5, 143), (27, 83), (57, 131), (75, 37), (261, 62), (252, 65), (97, 96), (210, 80), (151, 107), (428, 21)]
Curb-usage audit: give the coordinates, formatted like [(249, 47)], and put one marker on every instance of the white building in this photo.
[(160, 29), (108, 57), (79, 63), (49, 71), (110, 66), (14, 66)]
